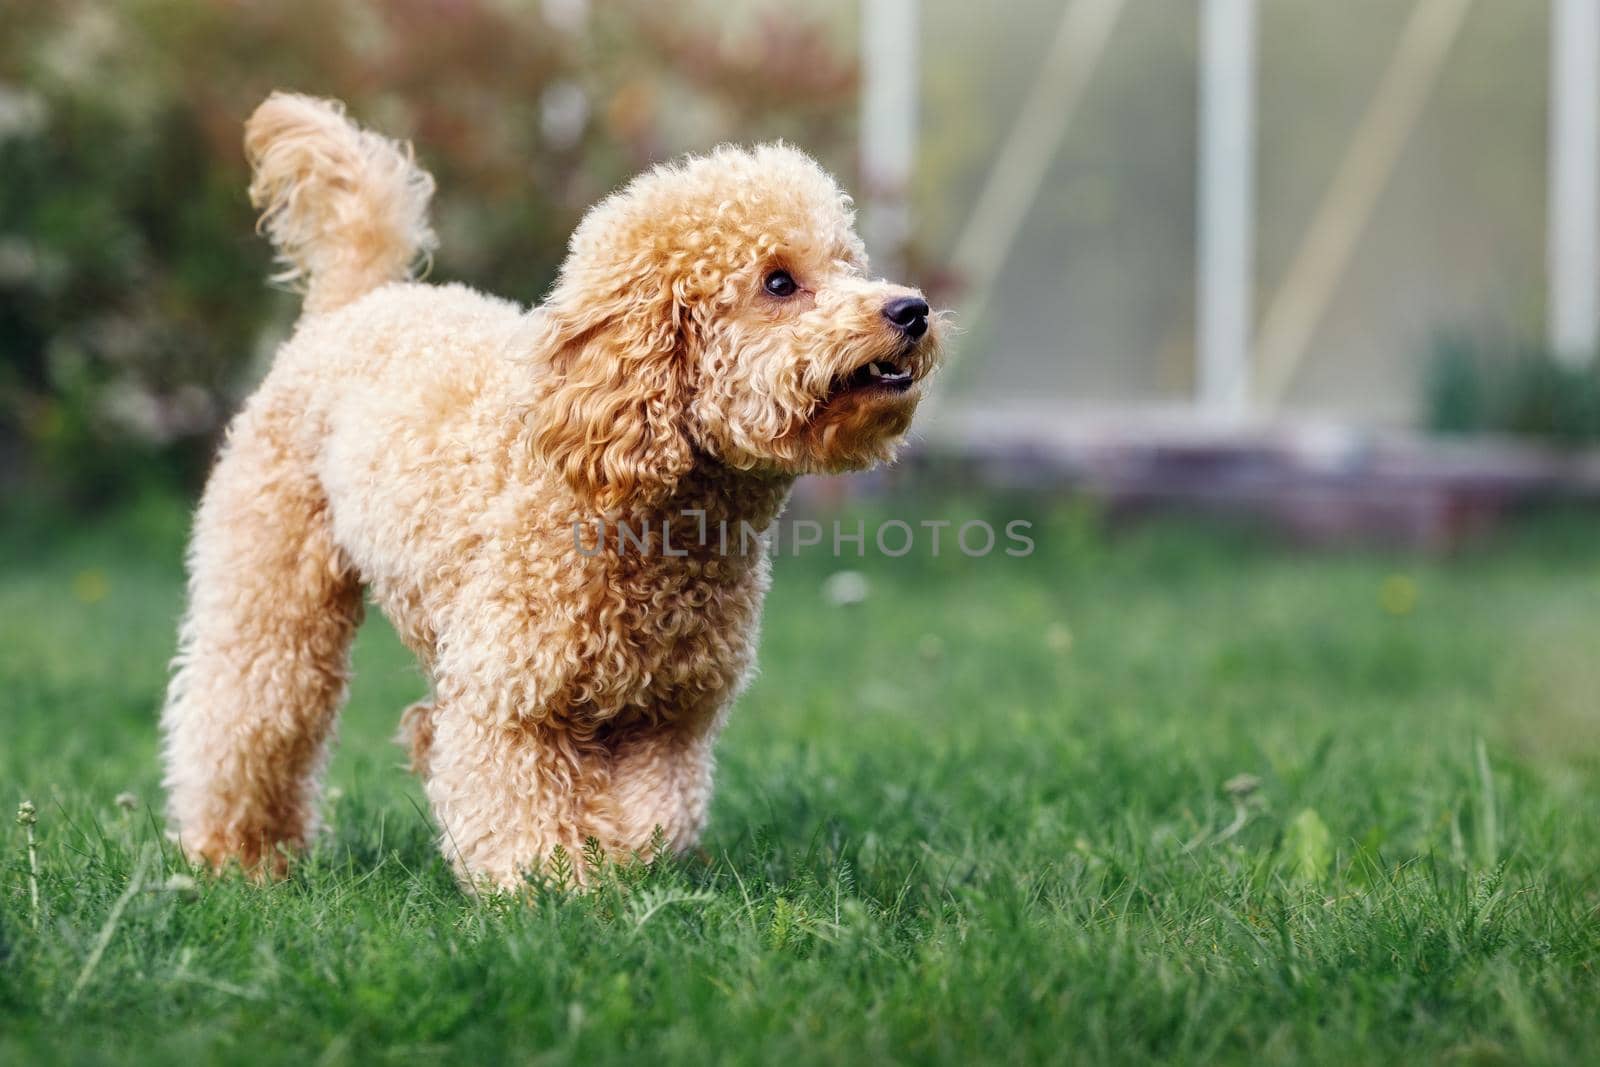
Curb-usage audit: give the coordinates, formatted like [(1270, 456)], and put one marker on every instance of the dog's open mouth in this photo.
[(880, 374)]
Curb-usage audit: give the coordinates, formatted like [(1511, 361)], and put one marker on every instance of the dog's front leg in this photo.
[(660, 779), (506, 793)]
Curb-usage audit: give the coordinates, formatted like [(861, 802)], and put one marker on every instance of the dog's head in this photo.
[(721, 307)]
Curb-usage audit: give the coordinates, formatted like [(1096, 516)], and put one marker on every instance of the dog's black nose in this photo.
[(909, 313)]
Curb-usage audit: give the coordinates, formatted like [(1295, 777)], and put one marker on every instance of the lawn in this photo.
[(1168, 794)]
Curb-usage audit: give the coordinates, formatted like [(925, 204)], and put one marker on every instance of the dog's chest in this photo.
[(676, 636)]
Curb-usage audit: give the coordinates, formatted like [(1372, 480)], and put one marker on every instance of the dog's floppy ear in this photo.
[(610, 416)]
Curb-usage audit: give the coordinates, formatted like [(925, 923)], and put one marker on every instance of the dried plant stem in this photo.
[(26, 817)]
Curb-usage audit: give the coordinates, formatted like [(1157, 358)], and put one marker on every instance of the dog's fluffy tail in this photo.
[(346, 209)]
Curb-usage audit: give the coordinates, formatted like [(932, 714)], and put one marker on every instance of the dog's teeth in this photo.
[(874, 369)]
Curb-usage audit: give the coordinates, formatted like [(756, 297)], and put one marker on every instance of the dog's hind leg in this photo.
[(263, 653)]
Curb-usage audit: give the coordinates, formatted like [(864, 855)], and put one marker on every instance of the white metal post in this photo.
[(1573, 240), (1225, 266), (888, 128)]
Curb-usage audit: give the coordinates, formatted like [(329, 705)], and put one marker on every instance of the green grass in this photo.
[(979, 817)]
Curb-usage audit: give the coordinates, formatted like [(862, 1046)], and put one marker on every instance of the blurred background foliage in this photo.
[(133, 313), (1478, 386)]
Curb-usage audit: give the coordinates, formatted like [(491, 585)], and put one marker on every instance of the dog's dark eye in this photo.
[(779, 283)]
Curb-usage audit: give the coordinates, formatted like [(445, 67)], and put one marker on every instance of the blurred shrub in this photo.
[(133, 310), (1474, 387)]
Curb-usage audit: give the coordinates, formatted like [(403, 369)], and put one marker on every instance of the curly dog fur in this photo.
[(436, 448)]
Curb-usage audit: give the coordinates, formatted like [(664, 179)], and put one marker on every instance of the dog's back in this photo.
[(382, 373)]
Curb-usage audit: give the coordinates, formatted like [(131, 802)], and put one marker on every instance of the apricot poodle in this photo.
[(713, 334)]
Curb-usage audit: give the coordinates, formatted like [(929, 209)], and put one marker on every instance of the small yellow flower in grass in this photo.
[(27, 814), (1398, 595), (127, 801), (1057, 638), (90, 586)]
